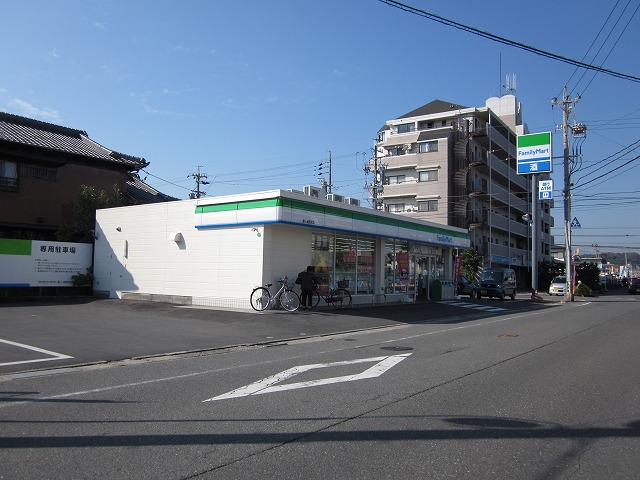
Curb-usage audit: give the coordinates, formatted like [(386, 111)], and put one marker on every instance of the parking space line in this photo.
[(52, 355)]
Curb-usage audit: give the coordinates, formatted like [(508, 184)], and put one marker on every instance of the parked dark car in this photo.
[(497, 282), (466, 286), (634, 284)]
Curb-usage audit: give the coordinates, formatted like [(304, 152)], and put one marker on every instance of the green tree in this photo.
[(546, 272), (88, 201), (589, 274), (471, 263)]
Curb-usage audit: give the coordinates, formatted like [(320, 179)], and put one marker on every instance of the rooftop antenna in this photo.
[(510, 83), (500, 78)]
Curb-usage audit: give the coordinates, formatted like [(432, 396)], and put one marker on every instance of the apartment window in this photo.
[(406, 127), (380, 136), (395, 151), (428, 176), (8, 174), (428, 206), (431, 146), (395, 179), (395, 207)]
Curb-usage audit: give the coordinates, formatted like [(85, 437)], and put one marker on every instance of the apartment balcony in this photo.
[(508, 226), (501, 197), (548, 219), (397, 190), (500, 140), (501, 168), (395, 162)]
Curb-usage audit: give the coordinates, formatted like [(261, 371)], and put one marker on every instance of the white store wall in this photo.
[(218, 267), (214, 251)]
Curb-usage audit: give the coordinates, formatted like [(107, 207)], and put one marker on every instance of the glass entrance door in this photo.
[(425, 269)]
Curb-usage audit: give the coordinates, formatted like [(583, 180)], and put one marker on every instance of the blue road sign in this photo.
[(575, 223)]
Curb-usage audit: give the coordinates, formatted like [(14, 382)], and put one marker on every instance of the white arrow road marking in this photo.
[(54, 355), (268, 385)]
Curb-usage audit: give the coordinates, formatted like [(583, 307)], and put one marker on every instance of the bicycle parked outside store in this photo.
[(261, 297), (338, 297)]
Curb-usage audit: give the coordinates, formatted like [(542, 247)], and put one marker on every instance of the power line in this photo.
[(614, 45), (506, 41), (581, 185)]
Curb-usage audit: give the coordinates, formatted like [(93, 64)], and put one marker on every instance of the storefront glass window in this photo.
[(365, 266), (346, 247), (404, 267), (344, 261), (389, 266), (322, 252), (399, 270)]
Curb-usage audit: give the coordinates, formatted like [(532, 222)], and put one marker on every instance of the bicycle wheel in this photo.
[(260, 299), (315, 299), (340, 298), (289, 300)]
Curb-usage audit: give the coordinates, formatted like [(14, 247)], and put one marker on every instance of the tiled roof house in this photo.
[(42, 168)]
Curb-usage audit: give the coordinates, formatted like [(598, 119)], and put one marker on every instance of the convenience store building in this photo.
[(213, 251)]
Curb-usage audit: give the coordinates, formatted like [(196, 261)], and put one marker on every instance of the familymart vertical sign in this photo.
[(534, 153)]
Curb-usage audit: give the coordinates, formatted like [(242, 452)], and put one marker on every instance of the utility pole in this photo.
[(200, 180), (376, 187), (327, 187), (566, 104), (330, 186)]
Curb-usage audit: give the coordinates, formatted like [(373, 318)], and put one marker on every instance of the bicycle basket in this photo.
[(343, 283)]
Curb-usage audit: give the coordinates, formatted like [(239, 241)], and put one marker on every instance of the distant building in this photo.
[(456, 165), (42, 168)]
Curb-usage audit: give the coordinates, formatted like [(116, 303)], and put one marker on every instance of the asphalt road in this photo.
[(56, 334), (441, 391)]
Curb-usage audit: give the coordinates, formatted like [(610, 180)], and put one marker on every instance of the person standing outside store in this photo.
[(307, 281)]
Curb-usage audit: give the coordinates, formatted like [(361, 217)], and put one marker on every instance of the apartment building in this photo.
[(456, 165)]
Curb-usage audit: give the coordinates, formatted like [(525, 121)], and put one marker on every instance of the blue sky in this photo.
[(258, 92)]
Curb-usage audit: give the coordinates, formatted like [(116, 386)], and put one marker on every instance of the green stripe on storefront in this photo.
[(327, 210), (9, 246), (249, 204)]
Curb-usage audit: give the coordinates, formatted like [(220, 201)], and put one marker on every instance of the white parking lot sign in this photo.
[(545, 189)]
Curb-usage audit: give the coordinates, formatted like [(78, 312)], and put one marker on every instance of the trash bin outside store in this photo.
[(436, 290), (448, 290)]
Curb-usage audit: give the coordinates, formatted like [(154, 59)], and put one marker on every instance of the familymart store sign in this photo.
[(534, 153)]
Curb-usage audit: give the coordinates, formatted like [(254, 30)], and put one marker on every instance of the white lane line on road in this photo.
[(266, 384), (474, 306), (53, 355)]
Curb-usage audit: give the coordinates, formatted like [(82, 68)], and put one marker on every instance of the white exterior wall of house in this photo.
[(206, 252)]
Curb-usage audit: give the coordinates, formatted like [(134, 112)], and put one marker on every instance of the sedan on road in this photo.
[(558, 285), (634, 283)]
